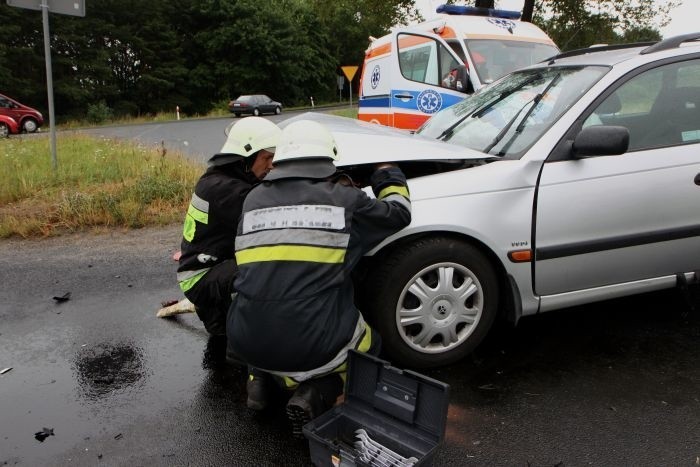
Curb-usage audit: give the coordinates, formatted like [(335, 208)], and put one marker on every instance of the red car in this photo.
[(29, 119), (7, 125)]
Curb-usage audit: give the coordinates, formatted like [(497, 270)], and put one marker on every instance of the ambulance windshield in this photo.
[(496, 58)]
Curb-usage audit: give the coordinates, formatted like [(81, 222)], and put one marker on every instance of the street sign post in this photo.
[(341, 83), (65, 7), (349, 72)]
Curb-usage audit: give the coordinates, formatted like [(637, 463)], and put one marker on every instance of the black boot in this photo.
[(258, 388), (305, 405)]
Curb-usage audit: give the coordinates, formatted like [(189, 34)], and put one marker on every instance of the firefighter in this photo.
[(302, 231), (207, 266)]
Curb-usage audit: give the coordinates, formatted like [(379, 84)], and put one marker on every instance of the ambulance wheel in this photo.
[(256, 112), (433, 301), (278, 110)]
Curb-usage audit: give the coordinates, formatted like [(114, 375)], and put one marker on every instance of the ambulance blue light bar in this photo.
[(474, 11)]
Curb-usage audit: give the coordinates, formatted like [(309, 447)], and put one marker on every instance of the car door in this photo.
[(265, 104), (424, 83), (623, 219), (6, 107)]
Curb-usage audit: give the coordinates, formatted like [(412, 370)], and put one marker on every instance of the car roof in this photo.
[(613, 54)]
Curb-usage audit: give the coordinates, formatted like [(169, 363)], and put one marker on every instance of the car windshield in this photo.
[(245, 99), (507, 117), (496, 58)]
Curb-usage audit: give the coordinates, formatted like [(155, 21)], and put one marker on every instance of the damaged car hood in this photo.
[(361, 143)]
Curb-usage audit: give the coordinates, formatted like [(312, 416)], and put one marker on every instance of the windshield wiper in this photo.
[(533, 105), (445, 135)]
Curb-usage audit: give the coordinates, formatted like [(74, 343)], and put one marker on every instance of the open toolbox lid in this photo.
[(413, 400)]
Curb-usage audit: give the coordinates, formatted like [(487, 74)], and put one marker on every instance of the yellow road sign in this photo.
[(349, 71)]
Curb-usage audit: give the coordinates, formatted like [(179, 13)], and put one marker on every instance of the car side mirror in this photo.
[(463, 83), (601, 140)]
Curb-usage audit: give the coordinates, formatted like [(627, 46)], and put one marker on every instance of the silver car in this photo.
[(568, 182)]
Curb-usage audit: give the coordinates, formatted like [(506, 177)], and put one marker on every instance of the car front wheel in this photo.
[(30, 125), (256, 112), (278, 110), (4, 130), (433, 302)]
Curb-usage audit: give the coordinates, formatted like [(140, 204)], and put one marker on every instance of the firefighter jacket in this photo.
[(297, 243), (209, 232)]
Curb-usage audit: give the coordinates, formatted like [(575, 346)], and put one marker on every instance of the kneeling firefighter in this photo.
[(302, 231), (207, 266)]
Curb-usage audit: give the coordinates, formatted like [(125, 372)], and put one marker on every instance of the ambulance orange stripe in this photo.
[(409, 40), (409, 121), (382, 119), (381, 50), (448, 33)]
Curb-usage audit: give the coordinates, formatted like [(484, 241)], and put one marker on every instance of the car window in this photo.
[(4, 103), (448, 68), (248, 99), (660, 107), (425, 60)]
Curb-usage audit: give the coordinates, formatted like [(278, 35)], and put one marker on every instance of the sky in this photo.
[(684, 19)]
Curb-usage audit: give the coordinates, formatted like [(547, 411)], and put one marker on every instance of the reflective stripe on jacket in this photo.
[(208, 234), (298, 241)]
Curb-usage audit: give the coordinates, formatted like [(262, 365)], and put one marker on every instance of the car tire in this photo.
[(4, 130), (30, 125), (237, 114), (256, 112), (278, 110), (456, 316)]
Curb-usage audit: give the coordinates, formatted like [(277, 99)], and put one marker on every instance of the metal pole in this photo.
[(49, 80)]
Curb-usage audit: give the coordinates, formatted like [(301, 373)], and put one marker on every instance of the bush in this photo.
[(125, 109), (99, 112)]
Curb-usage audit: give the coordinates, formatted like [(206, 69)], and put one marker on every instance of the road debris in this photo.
[(43, 434), (63, 298)]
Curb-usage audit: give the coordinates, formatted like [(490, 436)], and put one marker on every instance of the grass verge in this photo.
[(350, 112), (98, 184)]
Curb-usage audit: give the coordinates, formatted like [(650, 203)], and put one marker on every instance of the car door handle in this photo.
[(697, 179), (403, 96)]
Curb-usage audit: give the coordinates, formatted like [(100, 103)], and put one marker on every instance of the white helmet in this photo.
[(305, 139), (246, 137)]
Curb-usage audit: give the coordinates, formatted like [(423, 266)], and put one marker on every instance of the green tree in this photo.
[(277, 48), (352, 22), (22, 66), (145, 57), (574, 24)]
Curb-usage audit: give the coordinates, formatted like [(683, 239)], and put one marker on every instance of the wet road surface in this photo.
[(610, 384)]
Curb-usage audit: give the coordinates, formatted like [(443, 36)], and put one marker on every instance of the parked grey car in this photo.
[(568, 182), (254, 104)]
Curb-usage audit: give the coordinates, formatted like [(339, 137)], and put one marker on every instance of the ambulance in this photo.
[(413, 72)]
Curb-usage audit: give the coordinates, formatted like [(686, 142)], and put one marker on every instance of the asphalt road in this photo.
[(196, 138), (610, 384)]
